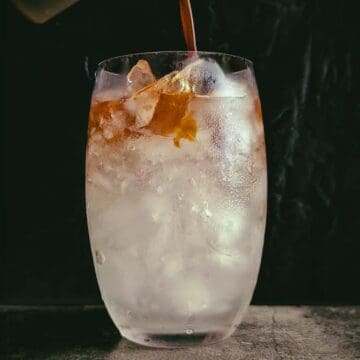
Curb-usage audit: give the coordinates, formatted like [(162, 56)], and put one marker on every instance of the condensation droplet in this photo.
[(155, 217), (100, 257), (249, 166), (129, 314), (208, 213), (195, 208), (123, 186), (189, 331), (108, 134)]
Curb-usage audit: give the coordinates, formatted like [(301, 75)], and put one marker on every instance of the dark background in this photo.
[(306, 57)]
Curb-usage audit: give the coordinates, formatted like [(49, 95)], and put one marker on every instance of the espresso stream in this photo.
[(187, 22)]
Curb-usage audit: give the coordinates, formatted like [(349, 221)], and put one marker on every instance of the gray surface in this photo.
[(266, 333), (273, 333)]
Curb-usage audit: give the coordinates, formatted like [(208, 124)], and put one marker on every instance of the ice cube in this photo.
[(109, 86), (162, 112), (143, 102), (246, 79), (231, 232), (201, 77), (110, 119), (191, 295), (101, 180), (171, 117), (140, 76), (244, 76)]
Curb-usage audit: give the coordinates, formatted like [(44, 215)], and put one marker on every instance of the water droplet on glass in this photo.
[(123, 186), (129, 314), (100, 257), (159, 190), (208, 213), (108, 167), (180, 196), (189, 331), (155, 217), (195, 208), (108, 134), (191, 318)]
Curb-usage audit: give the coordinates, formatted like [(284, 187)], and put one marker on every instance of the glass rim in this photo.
[(101, 65)]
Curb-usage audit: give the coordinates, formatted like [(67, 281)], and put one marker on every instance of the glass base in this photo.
[(180, 340)]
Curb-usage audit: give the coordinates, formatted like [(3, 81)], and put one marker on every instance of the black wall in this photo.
[(306, 56)]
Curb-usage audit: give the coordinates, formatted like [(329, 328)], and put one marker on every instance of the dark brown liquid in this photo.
[(188, 24)]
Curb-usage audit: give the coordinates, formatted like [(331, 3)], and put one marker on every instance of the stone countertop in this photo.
[(266, 333)]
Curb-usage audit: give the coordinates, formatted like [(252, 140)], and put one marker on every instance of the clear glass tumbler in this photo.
[(176, 191)]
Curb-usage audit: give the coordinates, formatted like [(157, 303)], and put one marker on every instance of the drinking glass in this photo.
[(176, 191)]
